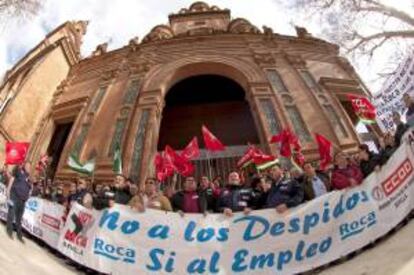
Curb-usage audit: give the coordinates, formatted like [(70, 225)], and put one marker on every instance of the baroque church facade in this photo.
[(243, 82)]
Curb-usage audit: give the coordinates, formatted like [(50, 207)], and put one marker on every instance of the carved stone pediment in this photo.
[(241, 25), (100, 49), (267, 31), (302, 32), (134, 43), (160, 32), (264, 59), (140, 66), (108, 75), (295, 60)]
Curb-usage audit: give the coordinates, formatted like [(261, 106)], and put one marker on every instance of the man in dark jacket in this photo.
[(400, 130), (18, 192), (235, 197), (261, 187), (315, 183), (368, 161), (210, 192), (189, 200), (387, 148), (121, 190), (285, 193)]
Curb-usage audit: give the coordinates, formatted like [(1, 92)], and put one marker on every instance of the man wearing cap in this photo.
[(285, 193)]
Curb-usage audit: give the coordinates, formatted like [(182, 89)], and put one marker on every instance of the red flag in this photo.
[(364, 109), (182, 165), (192, 150), (325, 151), (287, 139), (299, 158), (163, 169), (42, 163), (248, 155), (212, 143), (16, 152), (262, 158)]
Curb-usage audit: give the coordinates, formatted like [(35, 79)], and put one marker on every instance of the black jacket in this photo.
[(122, 196), (177, 201), (285, 191), (399, 132), (211, 199), (236, 198), (368, 166), (386, 153), (259, 199)]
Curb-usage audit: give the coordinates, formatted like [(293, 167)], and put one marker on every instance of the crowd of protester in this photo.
[(275, 188)]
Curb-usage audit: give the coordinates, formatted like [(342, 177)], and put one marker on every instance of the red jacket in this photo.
[(340, 177)]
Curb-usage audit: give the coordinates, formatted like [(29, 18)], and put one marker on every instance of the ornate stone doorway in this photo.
[(56, 146), (220, 104)]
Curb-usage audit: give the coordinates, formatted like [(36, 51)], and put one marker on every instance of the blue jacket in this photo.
[(285, 191)]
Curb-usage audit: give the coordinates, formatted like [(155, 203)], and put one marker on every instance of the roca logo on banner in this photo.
[(76, 239), (32, 205), (394, 181), (114, 252)]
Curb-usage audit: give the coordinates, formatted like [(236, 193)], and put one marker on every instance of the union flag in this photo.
[(16, 152), (363, 108), (182, 165), (211, 141), (192, 150), (325, 151)]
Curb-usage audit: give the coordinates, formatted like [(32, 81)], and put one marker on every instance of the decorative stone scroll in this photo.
[(100, 49)]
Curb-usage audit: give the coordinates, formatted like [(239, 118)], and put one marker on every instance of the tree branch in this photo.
[(386, 35)]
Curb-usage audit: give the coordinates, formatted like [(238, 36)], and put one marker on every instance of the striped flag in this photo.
[(117, 164), (75, 165)]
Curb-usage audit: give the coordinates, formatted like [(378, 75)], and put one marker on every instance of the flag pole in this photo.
[(208, 164)]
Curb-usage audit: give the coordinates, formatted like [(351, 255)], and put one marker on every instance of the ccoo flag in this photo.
[(211, 142), (16, 152), (192, 150)]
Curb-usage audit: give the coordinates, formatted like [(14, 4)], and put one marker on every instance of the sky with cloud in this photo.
[(116, 22)]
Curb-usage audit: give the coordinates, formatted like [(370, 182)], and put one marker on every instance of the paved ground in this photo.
[(30, 258), (394, 256)]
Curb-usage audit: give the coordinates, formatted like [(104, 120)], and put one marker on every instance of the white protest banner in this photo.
[(31, 217), (51, 221), (120, 241), (41, 218), (389, 98)]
